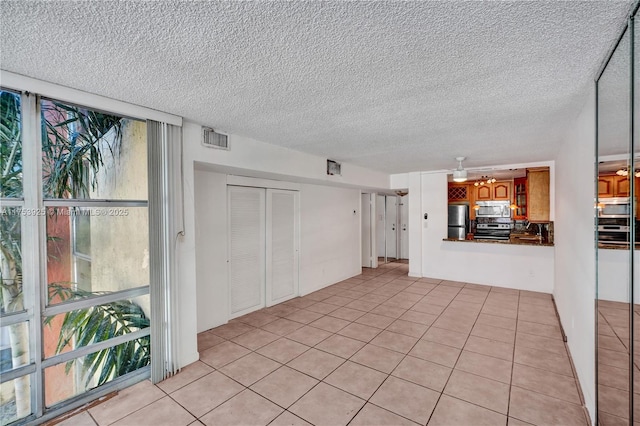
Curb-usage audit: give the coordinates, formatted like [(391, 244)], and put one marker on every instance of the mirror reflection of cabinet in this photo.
[(613, 186), (621, 186), (618, 279), (605, 187)]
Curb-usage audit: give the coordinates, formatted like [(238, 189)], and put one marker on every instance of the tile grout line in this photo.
[(513, 361)]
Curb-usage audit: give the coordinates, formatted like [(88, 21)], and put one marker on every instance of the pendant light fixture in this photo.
[(485, 180), (460, 174), (625, 172)]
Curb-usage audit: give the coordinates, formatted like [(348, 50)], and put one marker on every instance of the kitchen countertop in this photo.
[(511, 242), (616, 246)]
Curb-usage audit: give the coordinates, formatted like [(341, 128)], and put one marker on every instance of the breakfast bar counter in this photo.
[(518, 242)]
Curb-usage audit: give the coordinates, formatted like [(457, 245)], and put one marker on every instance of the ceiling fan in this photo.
[(460, 174)]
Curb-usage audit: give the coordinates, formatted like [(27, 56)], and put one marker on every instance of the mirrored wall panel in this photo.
[(616, 218)]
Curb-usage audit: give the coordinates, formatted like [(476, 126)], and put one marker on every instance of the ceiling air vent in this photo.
[(213, 139), (333, 168)]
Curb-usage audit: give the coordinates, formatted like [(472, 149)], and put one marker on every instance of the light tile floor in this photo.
[(377, 349), (613, 362)]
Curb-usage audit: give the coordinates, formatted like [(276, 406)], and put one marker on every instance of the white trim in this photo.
[(261, 183), (66, 94)]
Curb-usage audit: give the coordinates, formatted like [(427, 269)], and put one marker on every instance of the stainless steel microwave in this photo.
[(618, 207), (493, 209)]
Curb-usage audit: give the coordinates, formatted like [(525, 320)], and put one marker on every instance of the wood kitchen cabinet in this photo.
[(498, 191), (621, 186), (520, 198), (483, 192), (462, 193), (502, 191), (605, 186), (613, 186), (458, 192), (538, 189)]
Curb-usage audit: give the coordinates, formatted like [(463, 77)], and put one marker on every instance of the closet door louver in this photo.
[(282, 245), (246, 249)]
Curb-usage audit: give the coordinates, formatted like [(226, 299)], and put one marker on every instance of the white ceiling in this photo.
[(394, 86)]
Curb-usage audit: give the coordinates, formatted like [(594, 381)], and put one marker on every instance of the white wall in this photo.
[(329, 239), (211, 249), (249, 157), (574, 290), (329, 236), (613, 275), (368, 231), (330, 242), (501, 265), (416, 223)]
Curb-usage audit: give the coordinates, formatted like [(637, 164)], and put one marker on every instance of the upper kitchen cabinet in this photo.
[(605, 187), (520, 198), (502, 191), (498, 191), (621, 186), (613, 186), (458, 192), (538, 190), (484, 193)]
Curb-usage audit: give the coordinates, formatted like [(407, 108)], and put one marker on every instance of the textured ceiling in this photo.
[(394, 86)]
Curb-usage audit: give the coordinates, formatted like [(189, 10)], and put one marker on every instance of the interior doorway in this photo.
[(392, 228)]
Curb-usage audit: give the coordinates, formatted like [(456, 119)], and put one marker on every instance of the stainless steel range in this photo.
[(493, 231)]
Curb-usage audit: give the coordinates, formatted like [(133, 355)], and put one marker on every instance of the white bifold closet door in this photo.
[(282, 245), (246, 249), (263, 247)]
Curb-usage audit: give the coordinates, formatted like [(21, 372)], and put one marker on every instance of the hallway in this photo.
[(381, 348)]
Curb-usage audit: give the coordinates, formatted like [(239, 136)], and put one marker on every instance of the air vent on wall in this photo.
[(333, 168), (213, 139)]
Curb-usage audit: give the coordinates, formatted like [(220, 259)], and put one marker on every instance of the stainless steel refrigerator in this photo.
[(458, 221)]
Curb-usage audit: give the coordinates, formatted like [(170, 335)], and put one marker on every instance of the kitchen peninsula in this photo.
[(519, 242)]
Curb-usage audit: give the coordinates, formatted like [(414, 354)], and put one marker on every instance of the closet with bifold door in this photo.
[(263, 248)]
